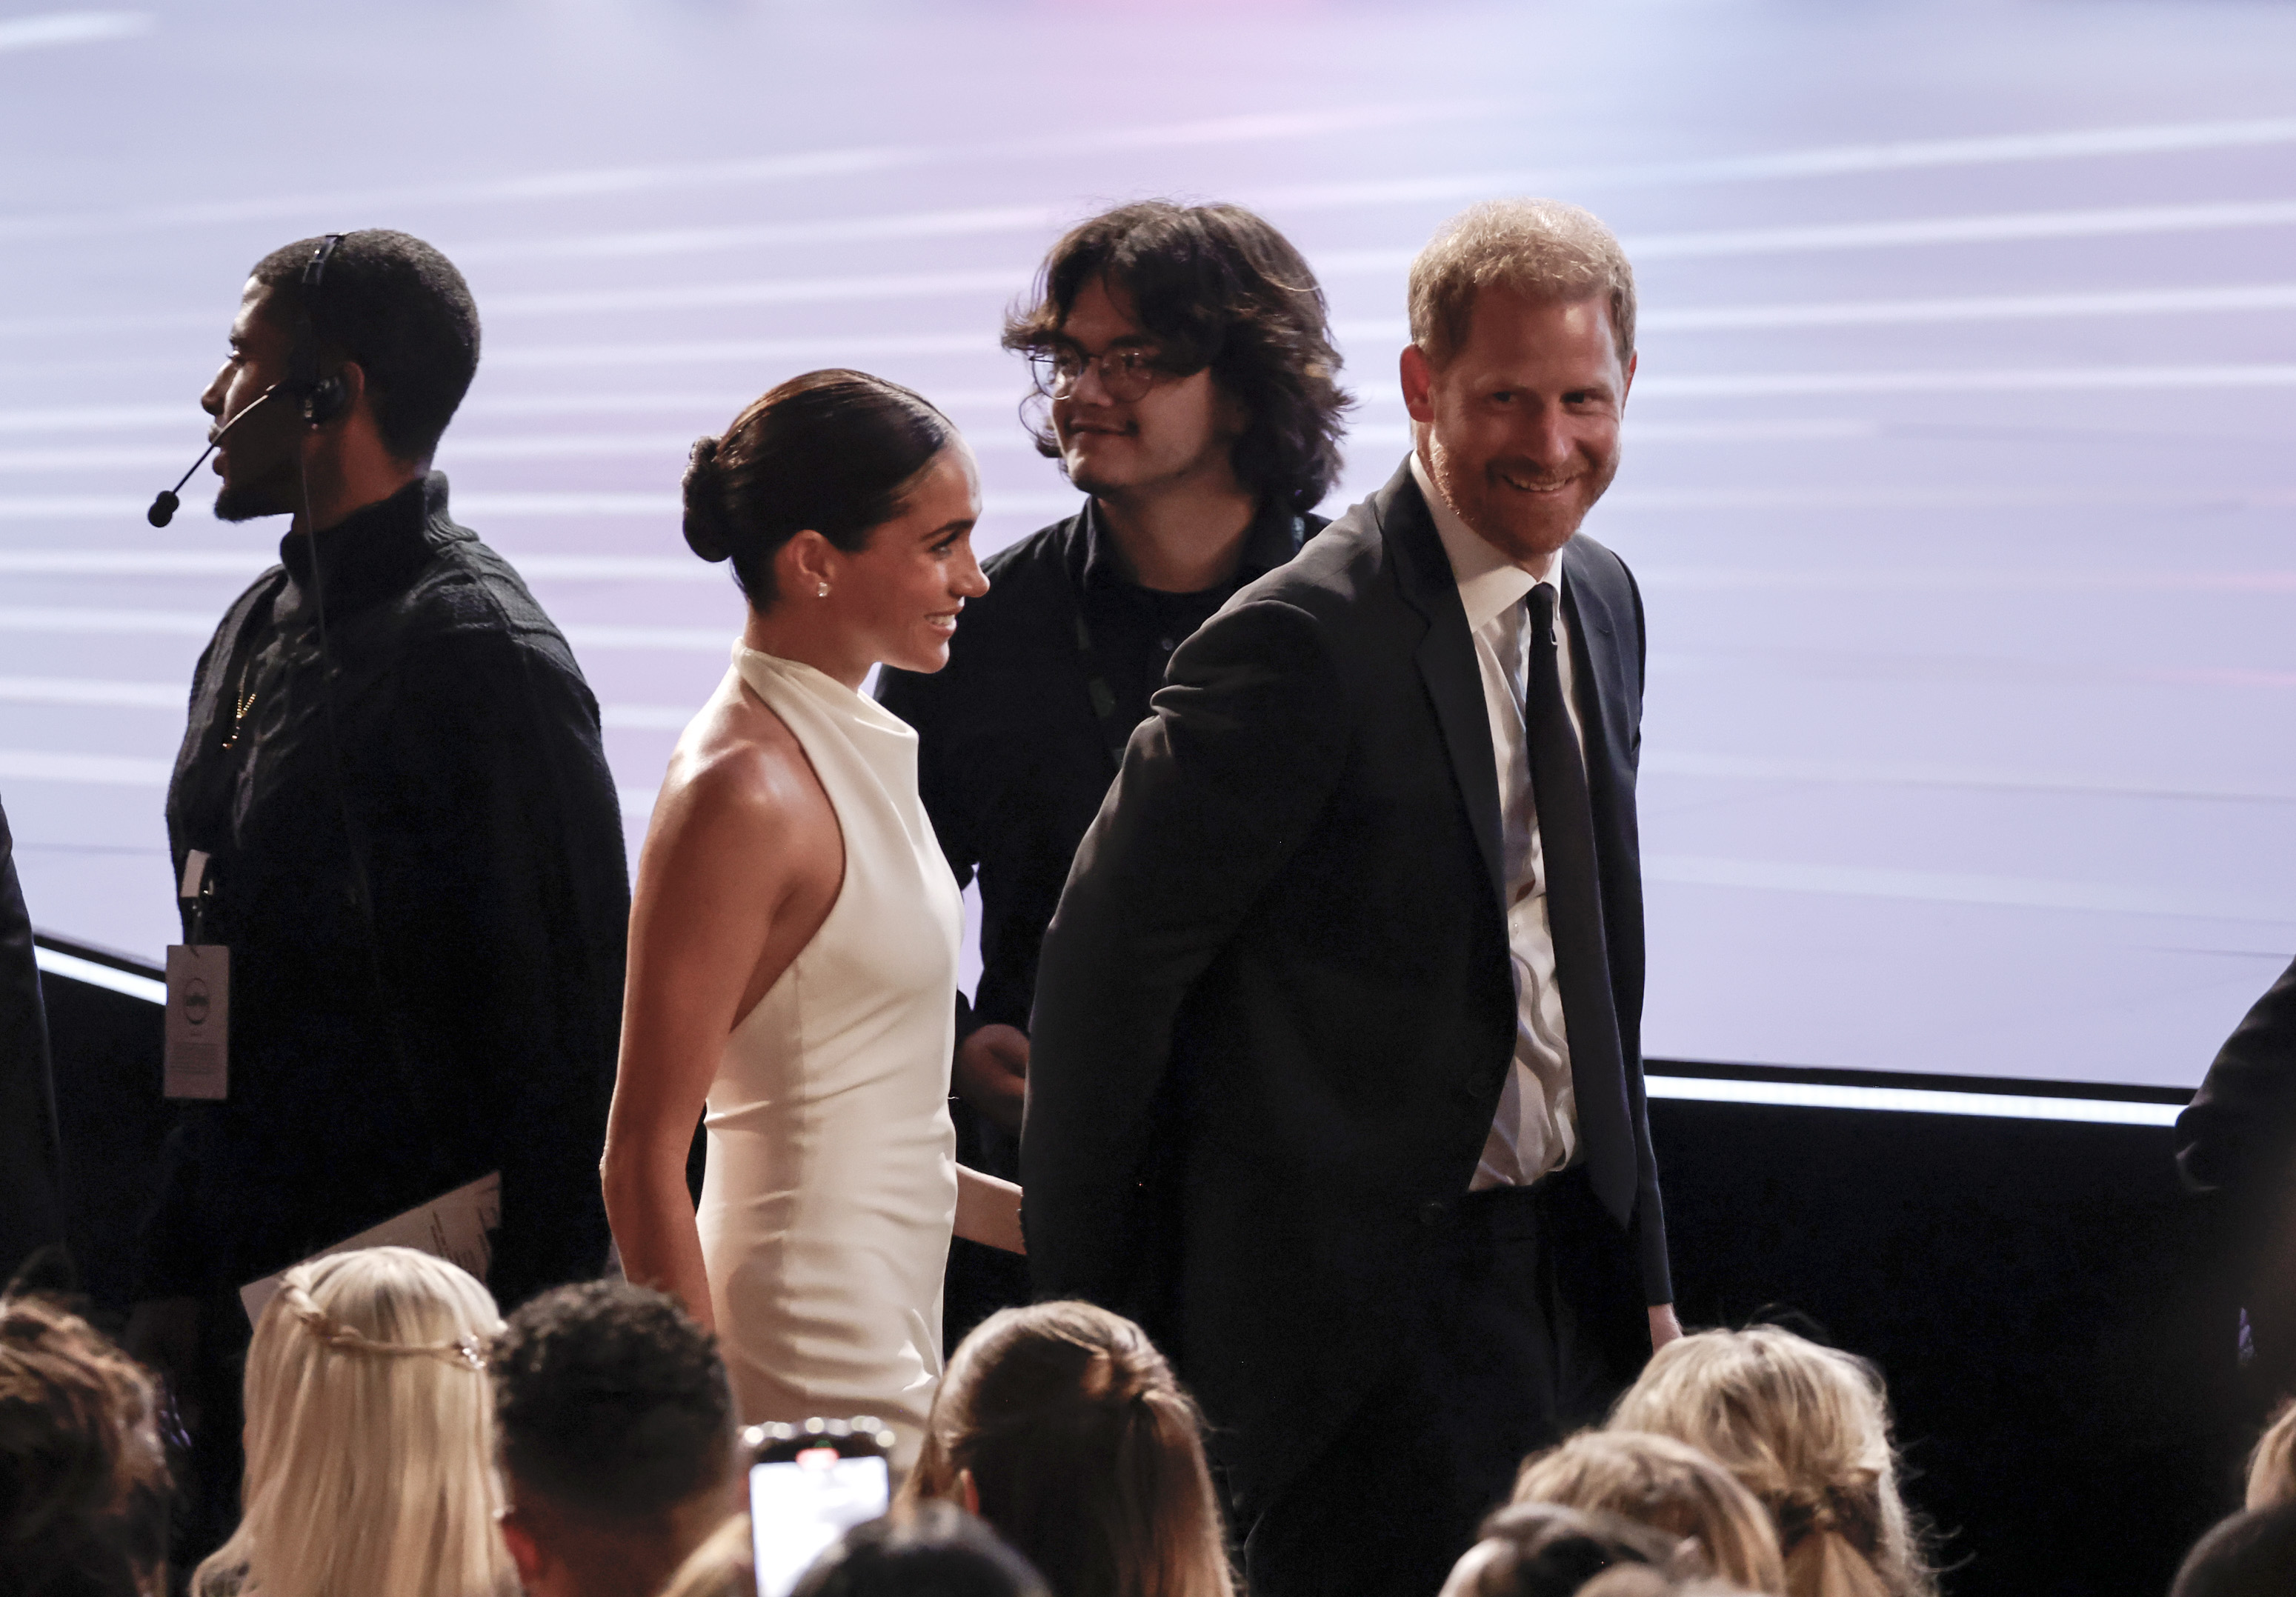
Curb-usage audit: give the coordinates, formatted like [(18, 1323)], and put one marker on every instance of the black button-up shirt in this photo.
[(1020, 734), (449, 768)]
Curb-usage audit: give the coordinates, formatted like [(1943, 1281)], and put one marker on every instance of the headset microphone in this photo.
[(164, 507)]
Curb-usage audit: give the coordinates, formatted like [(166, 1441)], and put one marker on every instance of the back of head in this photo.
[(2251, 1555), (1549, 1550), (1806, 1429), (1085, 1453), (834, 452), (1542, 249), (399, 308), (370, 1435), (612, 1412), (1668, 1484), (82, 1479), (1217, 287), (2272, 1466), (929, 1550)]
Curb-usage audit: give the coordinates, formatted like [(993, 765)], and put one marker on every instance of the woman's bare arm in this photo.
[(741, 865)]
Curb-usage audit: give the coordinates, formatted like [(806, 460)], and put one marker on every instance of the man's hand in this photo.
[(1664, 1327), (992, 1074)]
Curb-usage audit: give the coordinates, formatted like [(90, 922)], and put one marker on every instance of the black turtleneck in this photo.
[(451, 770)]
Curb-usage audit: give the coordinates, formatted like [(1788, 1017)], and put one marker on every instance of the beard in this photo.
[(272, 495), (1522, 527)]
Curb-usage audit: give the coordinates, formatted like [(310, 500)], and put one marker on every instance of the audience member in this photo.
[(1062, 1426), (616, 1435), (1668, 1484), (726, 1564), (2272, 1466), (932, 1550), (1549, 1550), (1805, 1428), (2251, 1555), (82, 1478), (370, 1437)]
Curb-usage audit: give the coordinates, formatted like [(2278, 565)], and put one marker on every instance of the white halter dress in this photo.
[(832, 1180)]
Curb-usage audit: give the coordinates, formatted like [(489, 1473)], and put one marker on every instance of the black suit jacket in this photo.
[(31, 1201), (1276, 1007)]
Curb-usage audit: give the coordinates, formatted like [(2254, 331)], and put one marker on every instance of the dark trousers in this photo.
[(1504, 1355)]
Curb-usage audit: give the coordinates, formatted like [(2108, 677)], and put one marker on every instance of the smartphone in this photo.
[(808, 1484)]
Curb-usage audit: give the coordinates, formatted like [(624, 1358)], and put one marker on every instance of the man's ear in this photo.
[(525, 1552), (1418, 384), (968, 1492)]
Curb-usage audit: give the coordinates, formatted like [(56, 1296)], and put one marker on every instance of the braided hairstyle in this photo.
[(370, 1437), (82, 1479), (1806, 1429), (1087, 1454)]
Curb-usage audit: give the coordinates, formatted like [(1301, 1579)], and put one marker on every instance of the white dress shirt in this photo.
[(1536, 1129)]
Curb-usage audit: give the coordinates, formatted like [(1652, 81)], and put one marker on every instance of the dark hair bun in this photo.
[(703, 489)]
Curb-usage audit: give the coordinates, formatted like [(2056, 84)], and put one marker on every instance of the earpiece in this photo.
[(322, 397)]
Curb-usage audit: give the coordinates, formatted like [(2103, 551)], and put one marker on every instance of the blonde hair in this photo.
[(1806, 1429), (1542, 249), (1668, 1484), (1087, 1455), (2272, 1466), (370, 1437)]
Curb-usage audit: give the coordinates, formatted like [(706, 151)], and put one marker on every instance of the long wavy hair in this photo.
[(1085, 1453), (1806, 1429), (1219, 288), (370, 1437)]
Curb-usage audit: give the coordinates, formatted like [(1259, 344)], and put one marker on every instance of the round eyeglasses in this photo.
[(1127, 373)]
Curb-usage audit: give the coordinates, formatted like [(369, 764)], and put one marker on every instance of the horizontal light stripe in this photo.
[(101, 770), (742, 351), (707, 410), (54, 961), (71, 28), (635, 801), (244, 563), (1954, 886), (687, 640), (88, 691), (1905, 155), (1898, 773), (1081, 144), (1735, 385), (1997, 307), (1963, 580), (1995, 497), (1910, 1100), (65, 618)]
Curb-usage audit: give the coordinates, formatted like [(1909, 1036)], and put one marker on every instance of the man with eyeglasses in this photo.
[(1189, 383)]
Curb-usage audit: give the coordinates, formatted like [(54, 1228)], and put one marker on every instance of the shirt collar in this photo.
[(1488, 582), (1271, 540)]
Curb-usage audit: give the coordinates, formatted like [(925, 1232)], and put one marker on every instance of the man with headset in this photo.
[(392, 808)]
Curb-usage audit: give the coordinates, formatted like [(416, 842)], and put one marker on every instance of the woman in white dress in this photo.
[(794, 932)]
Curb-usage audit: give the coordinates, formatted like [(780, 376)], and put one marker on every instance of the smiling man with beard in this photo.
[(413, 849), (1351, 962)]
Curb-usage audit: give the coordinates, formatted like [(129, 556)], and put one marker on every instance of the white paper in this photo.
[(196, 1037), (452, 1226)]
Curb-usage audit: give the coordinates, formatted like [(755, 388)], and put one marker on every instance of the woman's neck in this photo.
[(792, 631)]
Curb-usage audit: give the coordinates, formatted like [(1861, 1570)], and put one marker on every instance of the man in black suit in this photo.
[(31, 1199), (1336, 1068)]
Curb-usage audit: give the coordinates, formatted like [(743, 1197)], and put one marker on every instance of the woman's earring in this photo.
[(822, 592)]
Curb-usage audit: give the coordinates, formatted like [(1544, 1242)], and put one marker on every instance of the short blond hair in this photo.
[(2272, 1466), (1542, 249), (370, 1437), (1668, 1484), (1806, 1429)]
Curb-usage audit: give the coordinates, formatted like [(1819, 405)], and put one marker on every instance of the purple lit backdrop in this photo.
[(1957, 482)]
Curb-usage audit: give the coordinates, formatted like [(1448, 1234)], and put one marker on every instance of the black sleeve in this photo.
[(511, 861), (31, 1215), (1218, 790), (2239, 1132)]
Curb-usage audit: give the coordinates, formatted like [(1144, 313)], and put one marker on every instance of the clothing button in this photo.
[(1432, 1212)]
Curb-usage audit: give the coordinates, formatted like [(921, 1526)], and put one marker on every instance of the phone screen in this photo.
[(799, 1507)]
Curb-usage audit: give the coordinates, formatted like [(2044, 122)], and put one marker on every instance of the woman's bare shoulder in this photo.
[(738, 763)]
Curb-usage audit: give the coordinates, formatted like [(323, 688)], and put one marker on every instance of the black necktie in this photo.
[(1574, 919)]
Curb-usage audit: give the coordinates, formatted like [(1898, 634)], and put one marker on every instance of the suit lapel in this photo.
[(1447, 660), (1603, 702)]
